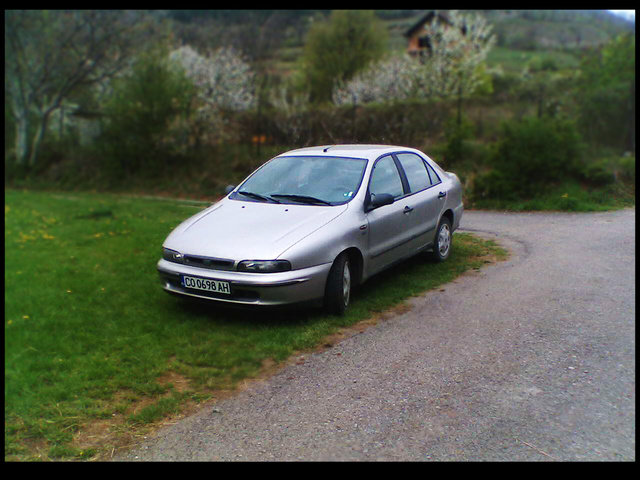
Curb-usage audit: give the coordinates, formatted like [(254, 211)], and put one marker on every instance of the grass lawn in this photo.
[(516, 60), (569, 197), (96, 352)]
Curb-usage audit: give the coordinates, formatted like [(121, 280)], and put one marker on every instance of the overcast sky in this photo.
[(625, 13)]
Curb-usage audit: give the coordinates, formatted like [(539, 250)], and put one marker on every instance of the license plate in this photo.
[(206, 284)]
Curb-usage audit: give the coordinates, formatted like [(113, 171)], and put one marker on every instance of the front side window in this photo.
[(308, 180), (386, 178)]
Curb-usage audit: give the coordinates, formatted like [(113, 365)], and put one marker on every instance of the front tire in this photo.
[(442, 242), (339, 285)]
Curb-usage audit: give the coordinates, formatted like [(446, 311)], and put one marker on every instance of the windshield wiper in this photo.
[(257, 196), (302, 198)]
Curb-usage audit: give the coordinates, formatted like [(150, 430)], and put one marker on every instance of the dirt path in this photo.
[(532, 359)]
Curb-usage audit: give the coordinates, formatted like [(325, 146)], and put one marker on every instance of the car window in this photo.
[(333, 180), (386, 178), (415, 170), (435, 179)]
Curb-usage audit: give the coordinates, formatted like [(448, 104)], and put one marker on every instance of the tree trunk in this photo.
[(37, 139), (22, 139)]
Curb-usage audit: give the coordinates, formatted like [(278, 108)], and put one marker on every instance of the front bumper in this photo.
[(274, 289)]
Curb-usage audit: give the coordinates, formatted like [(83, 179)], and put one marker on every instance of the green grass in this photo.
[(570, 197), (516, 60), (91, 339)]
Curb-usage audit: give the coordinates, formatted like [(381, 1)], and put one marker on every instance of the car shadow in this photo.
[(249, 314), (261, 316)]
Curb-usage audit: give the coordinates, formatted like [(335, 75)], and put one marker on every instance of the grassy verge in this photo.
[(567, 198), (96, 353)]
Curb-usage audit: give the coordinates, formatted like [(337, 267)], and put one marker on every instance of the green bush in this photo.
[(340, 47), (625, 169), (505, 83), (540, 64), (458, 135), (532, 155), (605, 93), (494, 184), (599, 173), (609, 170), (142, 113)]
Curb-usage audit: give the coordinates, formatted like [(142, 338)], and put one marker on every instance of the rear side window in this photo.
[(435, 179), (415, 170)]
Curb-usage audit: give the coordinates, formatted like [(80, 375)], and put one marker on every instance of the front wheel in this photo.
[(338, 290), (442, 245)]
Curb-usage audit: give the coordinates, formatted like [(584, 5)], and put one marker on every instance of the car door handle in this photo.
[(408, 209), (442, 194)]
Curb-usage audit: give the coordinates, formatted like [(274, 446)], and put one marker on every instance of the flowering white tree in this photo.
[(224, 81), (386, 80), (458, 49), (291, 105)]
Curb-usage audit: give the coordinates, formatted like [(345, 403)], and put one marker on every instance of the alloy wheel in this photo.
[(346, 284), (444, 240)]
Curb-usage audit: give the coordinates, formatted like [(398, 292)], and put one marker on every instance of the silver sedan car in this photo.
[(310, 224)]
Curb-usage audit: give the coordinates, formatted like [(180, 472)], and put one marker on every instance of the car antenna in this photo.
[(325, 150)]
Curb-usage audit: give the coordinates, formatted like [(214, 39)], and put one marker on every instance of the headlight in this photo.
[(172, 256), (264, 266)]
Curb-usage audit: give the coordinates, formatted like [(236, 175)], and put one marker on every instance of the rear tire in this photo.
[(339, 286), (443, 241)]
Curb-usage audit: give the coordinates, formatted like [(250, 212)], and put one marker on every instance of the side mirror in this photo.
[(228, 189), (380, 200)]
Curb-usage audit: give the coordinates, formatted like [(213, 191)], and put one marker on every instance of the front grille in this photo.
[(208, 262)]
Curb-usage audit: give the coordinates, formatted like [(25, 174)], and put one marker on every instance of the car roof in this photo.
[(370, 152)]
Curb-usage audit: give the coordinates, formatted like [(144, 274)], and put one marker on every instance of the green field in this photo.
[(92, 343), (517, 60), (570, 197)]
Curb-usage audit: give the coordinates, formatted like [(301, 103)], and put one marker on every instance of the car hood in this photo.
[(240, 230)]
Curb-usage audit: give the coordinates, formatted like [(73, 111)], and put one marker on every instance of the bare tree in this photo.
[(49, 55)]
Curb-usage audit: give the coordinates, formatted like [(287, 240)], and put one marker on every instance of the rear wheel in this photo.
[(442, 242), (339, 284)]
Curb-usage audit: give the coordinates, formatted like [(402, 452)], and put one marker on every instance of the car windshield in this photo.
[(307, 180)]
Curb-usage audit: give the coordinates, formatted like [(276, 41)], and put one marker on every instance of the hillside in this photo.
[(278, 36), (555, 29), (522, 34)]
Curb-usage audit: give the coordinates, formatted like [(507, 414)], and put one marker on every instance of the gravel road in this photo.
[(532, 359)]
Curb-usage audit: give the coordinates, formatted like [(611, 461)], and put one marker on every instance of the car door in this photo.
[(387, 225), (425, 199)]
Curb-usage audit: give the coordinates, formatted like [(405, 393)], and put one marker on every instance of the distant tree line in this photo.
[(130, 93)]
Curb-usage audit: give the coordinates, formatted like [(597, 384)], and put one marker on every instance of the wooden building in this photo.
[(419, 44)]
